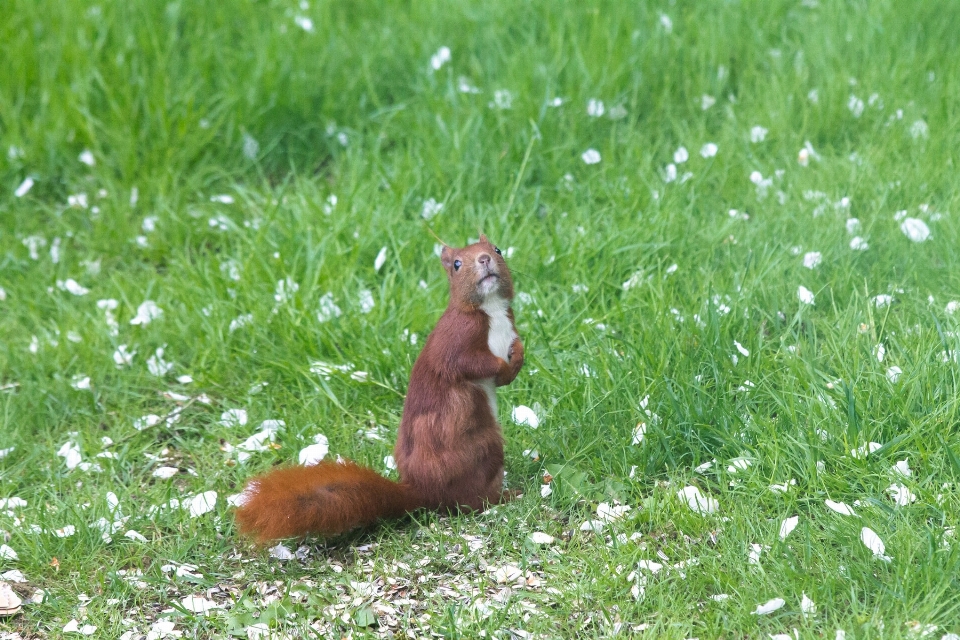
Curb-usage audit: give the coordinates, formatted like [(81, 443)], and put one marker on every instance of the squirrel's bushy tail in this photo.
[(327, 498)]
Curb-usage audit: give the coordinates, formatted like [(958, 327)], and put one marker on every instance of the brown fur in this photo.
[(449, 449)]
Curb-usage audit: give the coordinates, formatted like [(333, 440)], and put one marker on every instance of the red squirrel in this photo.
[(449, 449)]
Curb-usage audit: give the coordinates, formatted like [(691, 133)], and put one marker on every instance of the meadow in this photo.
[(733, 229)]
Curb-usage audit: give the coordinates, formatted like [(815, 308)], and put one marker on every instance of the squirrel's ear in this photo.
[(446, 257), (483, 238)]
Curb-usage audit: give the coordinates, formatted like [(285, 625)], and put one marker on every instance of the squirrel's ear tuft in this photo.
[(483, 239), (446, 257)]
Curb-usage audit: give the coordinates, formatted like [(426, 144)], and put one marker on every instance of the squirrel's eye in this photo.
[(456, 265), (497, 249)]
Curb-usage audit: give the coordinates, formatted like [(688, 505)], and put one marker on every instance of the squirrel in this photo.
[(449, 449)]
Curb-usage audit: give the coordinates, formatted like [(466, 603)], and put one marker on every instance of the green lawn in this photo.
[(734, 222)]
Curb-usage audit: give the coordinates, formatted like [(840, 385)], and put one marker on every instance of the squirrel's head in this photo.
[(476, 273)]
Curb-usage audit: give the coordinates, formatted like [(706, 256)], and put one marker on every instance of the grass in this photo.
[(181, 102)]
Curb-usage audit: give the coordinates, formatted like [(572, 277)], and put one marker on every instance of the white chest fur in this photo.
[(499, 338), (501, 333)]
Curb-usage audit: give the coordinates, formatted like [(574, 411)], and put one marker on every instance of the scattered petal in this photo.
[(787, 526), (807, 606), (901, 495), (696, 501), (768, 607), (893, 374), (328, 308), (805, 295), (281, 552), (915, 229), (233, 418), (709, 150), (865, 450), (147, 312), (314, 453), (859, 244), (201, 503), (812, 259), (538, 537), (24, 187), (86, 157), (6, 553), (72, 286), (440, 58), (199, 604), (524, 415), (591, 156), (873, 542), (841, 508)]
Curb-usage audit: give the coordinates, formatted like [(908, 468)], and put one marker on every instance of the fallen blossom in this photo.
[(915, 229), (314, 453), (72, 286), (864, 450), (201, 503), (70, 452), (709, 150), (281, 552), (591, 156), (893, 374), (859, 244), (199, 604), (122, 357), (538, 537), (165, 473), (7, 553), (696, 501), (328, 309), (783, 488), (841, 508), (24, 187), (524, 415), (812, 259), (758, 134), (805, 295), (86, 157), (147, 312), (807, 606), (873, 542), (787, 526), (901, 495), (390, 463), (233, 418), (157, 366), (768, 607), (134, 535)]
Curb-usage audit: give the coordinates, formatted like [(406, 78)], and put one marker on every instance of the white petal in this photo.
[(202, 503), (768, 607), (281, 552), (696, 501), (805, 295), (916, 230), (314, 453), (787, 526), (198, 604), (807, 606), (841, 508), (873, 542), (591, 156), (381, 258), (524, 415), (538, 537)]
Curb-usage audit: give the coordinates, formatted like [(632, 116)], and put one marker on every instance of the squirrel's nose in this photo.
[(484, 259)]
